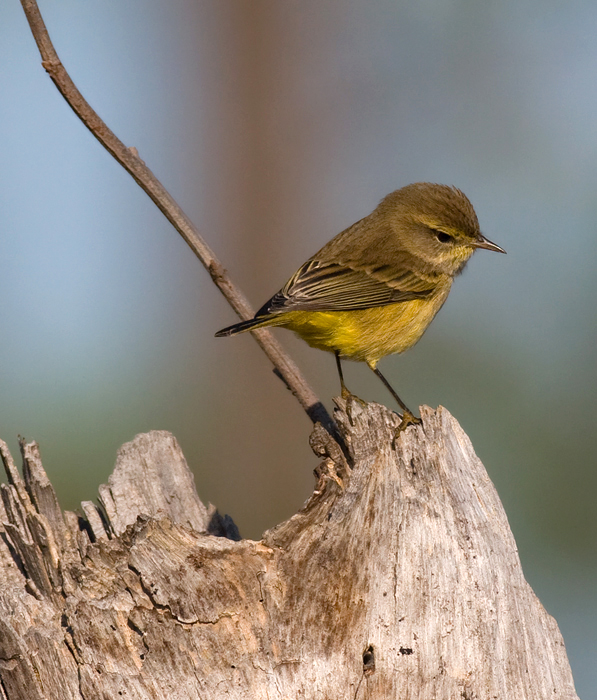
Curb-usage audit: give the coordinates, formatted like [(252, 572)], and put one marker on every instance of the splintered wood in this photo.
[(398, 579)]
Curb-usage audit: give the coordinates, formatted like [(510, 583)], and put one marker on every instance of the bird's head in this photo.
[(436, 223)]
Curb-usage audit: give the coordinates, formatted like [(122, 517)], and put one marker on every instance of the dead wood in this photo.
[(398, 579)]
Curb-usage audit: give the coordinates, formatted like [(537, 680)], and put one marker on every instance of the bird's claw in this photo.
[(407, 419), (348, 396), (351, 399)]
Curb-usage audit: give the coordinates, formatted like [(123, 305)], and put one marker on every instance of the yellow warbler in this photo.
[(374, 288)]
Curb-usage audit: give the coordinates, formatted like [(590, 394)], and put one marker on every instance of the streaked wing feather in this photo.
[(320, 286)]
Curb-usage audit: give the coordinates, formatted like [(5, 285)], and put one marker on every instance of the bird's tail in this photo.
[(249, 325)]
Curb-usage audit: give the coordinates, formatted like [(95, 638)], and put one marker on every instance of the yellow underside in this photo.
[(364, 335)]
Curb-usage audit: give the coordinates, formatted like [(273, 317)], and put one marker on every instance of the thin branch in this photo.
[(128, 158)]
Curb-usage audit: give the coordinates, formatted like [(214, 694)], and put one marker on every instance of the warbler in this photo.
[(374, 289)]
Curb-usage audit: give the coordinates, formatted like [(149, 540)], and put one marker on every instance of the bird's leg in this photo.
[(343, 390), (408, 418), (346, 394)]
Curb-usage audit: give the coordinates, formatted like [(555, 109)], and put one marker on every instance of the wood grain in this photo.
[(398, 579)]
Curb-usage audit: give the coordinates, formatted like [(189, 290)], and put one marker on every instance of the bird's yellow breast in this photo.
[(367, 335)]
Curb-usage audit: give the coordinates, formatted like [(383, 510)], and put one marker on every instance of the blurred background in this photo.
[(276, 125)]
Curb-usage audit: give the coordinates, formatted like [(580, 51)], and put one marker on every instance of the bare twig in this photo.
[(128, 158)]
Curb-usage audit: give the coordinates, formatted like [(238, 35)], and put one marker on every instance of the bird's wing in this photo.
[(318, 286)]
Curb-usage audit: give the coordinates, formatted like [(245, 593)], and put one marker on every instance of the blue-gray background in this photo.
[(275, 125)]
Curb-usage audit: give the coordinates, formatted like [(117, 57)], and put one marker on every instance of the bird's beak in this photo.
[(488, 245)]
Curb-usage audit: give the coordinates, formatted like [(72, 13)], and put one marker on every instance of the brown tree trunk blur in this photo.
[(398, 579)]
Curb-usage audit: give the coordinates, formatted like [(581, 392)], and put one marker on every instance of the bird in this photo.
[(374, 288)]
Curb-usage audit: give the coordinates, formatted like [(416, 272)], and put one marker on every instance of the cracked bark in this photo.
[(398, 579)]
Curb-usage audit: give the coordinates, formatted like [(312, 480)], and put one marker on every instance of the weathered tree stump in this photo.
[(398, 579)]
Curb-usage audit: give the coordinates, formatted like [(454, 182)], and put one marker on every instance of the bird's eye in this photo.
[(443, 237)]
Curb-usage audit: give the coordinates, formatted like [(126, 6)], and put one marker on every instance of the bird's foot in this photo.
[(348, 396), (352, 400), (407, 419)]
